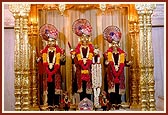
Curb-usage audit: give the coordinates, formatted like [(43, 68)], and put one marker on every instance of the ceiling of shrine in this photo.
[(157, 17)]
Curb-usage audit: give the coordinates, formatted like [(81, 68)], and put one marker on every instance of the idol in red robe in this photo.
[(66, 102), (82, 58), (114, 62), (104, 101), (49, 67)]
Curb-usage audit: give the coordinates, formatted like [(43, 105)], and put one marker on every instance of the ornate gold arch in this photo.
[(140, 51)]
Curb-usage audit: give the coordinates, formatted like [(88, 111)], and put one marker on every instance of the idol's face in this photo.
[(96, 51), (104, 96), (51, 43), (115, 44), (85, 40)]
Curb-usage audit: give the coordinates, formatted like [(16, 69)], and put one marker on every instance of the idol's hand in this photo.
[(62, 58), (116, 67), (84, 60), (38, 59), (72, 54), (106, 62), (130, 63)]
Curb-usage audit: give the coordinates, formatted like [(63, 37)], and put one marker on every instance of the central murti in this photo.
[(87, 62)]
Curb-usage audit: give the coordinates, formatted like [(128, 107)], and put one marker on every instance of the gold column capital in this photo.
[(21, 9), (142, 7)]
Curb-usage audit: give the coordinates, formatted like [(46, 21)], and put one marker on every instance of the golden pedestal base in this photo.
[(135, 106), (36, 108)]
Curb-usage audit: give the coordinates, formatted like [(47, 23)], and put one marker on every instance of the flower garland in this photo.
[(55, 62), (85, 66), (120, 63), (96, 80), (96, 74)]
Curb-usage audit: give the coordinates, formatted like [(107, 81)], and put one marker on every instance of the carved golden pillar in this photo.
[(33, 40), (142, 57), (134, 67), (33, 65), (22, 68), (136, 62), (24, 12), (146, 57), (17, 62), (30, 53), (150, 68), (69, 74), (34, 68), (132, 75), (133, 48)]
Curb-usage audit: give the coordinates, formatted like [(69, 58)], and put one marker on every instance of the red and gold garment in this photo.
[(56, 67), (66, 102), (83, 71), (114, 76), (103, 101)]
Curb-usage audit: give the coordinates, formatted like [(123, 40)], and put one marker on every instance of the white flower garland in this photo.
[(96, 80), (96, 75)]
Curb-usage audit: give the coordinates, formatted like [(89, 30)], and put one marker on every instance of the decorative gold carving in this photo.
[(145, 82), (146, 57), (69, 76), (25, 63), (142, 54), (150, 69), (102, 7), (133, 87), (34, 80), (142, 7), (133, 47), (83, 7), (33, 69), (61, 8), (17, 86), (17, 66), (134, 69), (143, 89), (21, 64)]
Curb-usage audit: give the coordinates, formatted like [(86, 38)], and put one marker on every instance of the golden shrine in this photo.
[(28, 43)]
